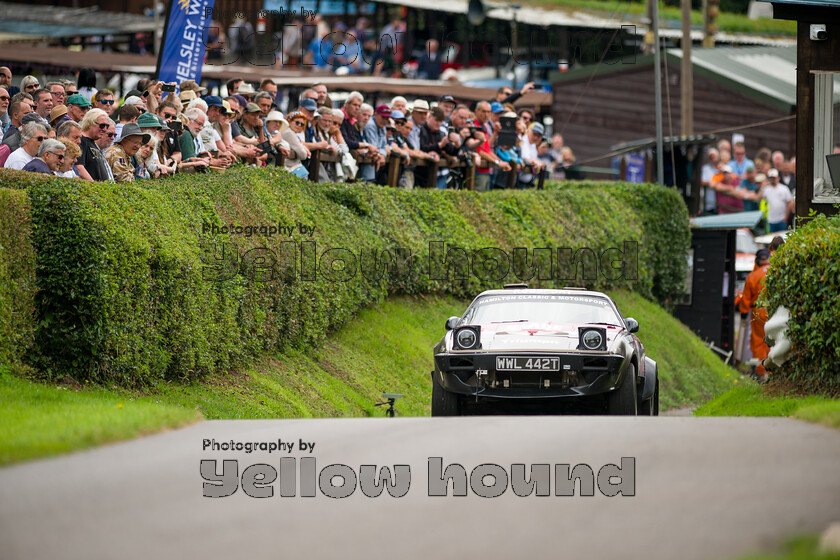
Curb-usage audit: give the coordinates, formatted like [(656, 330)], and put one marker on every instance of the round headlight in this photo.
[(592, 339), (466, 338)]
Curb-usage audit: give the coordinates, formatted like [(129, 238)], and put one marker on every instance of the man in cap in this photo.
[(77, 106), (530, 155), (309, 107), (779, 201), (753, 287), (119, 155), (419, 114), (447, 103)]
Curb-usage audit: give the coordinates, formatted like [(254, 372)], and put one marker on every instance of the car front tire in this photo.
[(444, 403), (623, 400)]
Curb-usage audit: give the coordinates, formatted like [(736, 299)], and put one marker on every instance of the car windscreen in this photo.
[(540, 308)]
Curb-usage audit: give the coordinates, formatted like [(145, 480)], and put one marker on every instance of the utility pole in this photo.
[(686, 74), (657, 76)]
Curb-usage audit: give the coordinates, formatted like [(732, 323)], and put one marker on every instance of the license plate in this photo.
[(527, 363)]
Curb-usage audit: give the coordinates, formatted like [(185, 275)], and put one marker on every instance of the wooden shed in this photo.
[(746, 90)]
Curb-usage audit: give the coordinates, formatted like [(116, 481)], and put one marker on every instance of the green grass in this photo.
[(671, 16), (38, 420), (689, 372), (386, 348), (754, 400), (798, 548)]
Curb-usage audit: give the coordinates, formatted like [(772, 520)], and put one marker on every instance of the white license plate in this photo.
[(527, 363)]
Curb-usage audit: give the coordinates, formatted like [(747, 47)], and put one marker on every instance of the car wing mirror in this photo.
[(452, 322), (632, 324)]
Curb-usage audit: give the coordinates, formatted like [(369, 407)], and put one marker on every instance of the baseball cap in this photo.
[(252, 108), (228, 108), (148, 120), (397, 115), (78, 99), (240, 99), (309, 104), (134, 100), (213, 101), (383, 110), (538, 128), (420, 105), (762, 254), (771, 173), (727, 169), (444, 98), (760, 177), (497, 107)]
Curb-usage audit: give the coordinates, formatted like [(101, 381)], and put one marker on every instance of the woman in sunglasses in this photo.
[(297, 151)]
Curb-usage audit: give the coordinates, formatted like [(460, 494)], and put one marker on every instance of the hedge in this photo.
[(804, 277), (129, 289)]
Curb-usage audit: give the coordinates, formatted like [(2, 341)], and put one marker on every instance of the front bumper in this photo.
[(581, 374)]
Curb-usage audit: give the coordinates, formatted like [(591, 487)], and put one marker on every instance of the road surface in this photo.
[(702, 488)]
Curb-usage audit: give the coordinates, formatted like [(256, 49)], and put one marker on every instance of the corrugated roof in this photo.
[(728, 221), (767, 73)]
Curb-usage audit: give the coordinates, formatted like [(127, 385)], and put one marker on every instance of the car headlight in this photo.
[(467, 338), (592, 339)]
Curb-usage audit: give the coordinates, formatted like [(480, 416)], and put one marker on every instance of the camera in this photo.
[(267, 148), (818, 32), (168, 87), (507, 135), (176, 127)]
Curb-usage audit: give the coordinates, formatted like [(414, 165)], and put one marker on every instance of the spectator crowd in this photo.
[(161, 129), (734, 183)]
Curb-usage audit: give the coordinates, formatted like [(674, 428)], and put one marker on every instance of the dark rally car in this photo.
[(540, 344)]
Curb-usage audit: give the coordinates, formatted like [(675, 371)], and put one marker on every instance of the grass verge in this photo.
[(40, 420), (770, 400), (798, 548), (386, 348)]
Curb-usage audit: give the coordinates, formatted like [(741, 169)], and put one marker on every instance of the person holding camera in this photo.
[(434, 140)]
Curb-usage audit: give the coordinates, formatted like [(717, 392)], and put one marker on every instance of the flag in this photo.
[(181, 55)]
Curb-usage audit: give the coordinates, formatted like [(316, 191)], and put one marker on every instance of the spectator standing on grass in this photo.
[(753, 287), (49, 159)]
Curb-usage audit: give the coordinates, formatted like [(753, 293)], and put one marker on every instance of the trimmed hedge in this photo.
[(17, 275), (130, 290), (804, 276)]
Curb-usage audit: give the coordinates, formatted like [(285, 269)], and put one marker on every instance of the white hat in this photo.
[(773, 173), (134, 100), (420, 105), (246, 89), (277, 116)]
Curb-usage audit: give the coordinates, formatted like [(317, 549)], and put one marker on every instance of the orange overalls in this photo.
[(752, 289)]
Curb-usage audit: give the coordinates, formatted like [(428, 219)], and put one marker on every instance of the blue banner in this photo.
[(182, 52)]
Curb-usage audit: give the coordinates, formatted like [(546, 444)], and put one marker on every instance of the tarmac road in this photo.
[(703, 488)]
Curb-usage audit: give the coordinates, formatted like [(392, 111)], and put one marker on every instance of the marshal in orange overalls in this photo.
[(752, 289)]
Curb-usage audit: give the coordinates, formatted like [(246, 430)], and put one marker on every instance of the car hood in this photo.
[(544, 337)]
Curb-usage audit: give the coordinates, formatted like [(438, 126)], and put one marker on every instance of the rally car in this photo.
[(560, 347)]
